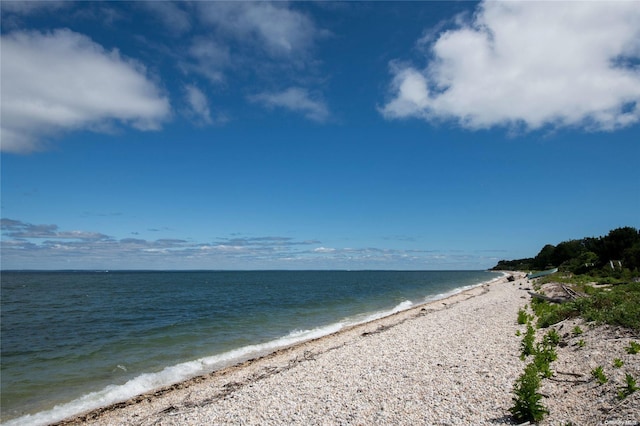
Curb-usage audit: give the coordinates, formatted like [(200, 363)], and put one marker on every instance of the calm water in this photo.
[(73, 341)]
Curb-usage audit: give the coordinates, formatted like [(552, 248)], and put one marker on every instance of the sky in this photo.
[(314, 135)]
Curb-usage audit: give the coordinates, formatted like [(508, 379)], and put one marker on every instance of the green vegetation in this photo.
[(523, 317), (615, 254), (617, 305), (629, 387), (552, 338), (543, 357), (613, 260), (598, 374), (633, 348), (526, 346), (527, 406)]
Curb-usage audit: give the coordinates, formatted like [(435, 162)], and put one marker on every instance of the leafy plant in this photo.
[(527, 405), (518, 332), (617, 363), (552, 338), (526, 346), (581, 343), (544, 355), (577, 331), (598, 374), (523, 317), (629, 387), (633, 348)]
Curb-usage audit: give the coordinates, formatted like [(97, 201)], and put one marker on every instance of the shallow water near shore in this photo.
[(73, 341)]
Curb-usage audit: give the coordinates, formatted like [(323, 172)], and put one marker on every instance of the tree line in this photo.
[(616, 253)]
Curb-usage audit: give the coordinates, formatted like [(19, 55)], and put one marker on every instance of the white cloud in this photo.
[(63, 81), (295, 99), (280, 30), (170, 14), (198, 105), (531, 64), (31, 7), (211, 58), (324, 250)]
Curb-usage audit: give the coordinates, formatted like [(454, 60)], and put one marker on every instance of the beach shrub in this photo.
[(617, 363), (598, 374), (619, 305), (629, 387), (527, 405), (526, 346), (552, 313), (552, 338), (633, 348), (523, 317), (544, 355)]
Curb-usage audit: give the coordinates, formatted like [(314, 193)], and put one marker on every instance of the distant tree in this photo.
[(618, 241), (631, 257), (582, 256), (567, 251), (543, 259)]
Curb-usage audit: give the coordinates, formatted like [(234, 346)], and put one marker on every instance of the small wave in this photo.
[(403, 306), (170, 375), (173, 374)]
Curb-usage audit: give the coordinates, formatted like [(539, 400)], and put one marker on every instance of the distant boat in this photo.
[(543, 273)]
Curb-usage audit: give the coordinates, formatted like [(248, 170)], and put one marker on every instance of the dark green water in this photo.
[(72, 341)]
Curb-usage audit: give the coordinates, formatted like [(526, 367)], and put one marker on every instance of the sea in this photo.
[(72, 341)]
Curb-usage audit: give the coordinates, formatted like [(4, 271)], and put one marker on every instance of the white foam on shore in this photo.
[(168, 376), (177, 373)]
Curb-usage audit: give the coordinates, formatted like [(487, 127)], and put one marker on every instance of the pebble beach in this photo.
[(451, 361), (448, 362)]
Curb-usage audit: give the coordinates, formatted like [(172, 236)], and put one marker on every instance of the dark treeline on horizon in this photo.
[(619, 249)]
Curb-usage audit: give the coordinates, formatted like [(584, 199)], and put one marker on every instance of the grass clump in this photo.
[(527, 405), (618, 363), (581, 343), (598, 374), (629, 387), (577, 331), (633, 348)]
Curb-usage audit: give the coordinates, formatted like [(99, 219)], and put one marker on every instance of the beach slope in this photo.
[(452, 361)]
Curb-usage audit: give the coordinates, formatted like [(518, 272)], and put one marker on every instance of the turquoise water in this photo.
[(73, 341)]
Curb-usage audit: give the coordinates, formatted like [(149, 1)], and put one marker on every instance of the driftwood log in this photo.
[(547, 298)]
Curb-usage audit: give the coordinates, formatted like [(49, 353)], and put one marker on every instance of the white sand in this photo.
[(448, 362)]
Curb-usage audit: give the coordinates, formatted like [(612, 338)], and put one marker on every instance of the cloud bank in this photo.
[(45, 246), (63, 81), (528, 65)]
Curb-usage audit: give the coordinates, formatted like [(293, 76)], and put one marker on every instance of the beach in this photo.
[(449, 362), (452, 361)]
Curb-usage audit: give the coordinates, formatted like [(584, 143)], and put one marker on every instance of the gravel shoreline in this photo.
[(449, 362), (452, 361)]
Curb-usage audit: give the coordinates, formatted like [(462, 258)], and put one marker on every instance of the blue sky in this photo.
[(314, 135)]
